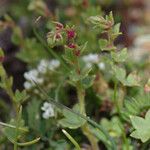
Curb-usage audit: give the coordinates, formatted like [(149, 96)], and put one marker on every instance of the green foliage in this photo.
[(136, 105), (10, 133), (16, 36), (141, 126), (71, 120), (32, 48), (121, 56), (20, 96), (131, 80), (114, 126), (34, 115)]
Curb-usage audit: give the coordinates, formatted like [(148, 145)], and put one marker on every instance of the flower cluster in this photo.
[(91, 59), (48, 110), (36, 74), (55, 37)]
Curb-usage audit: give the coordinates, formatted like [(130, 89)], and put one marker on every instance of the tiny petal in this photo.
[(71, 45), (27, 85), (101, 66), (91, 58), (48, 110), (71, 34), (53, 64)]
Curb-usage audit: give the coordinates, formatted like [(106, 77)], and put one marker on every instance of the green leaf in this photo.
[(88, 81), (120, 56), (33, 114), (11, 133), (116, 28), (74, 77), (103, 44), (32, 51), (113, 126), (69, 56), (20, 96), (132, 80), (16, 36), (71, 120), (141, 126), (119, 73)]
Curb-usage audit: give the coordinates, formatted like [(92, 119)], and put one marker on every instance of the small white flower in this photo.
[(91, 58), (35, 74), (101, 66), (48, 110), (53, 64), (46, 65), (31, 75), (27, 85), (43, 65)]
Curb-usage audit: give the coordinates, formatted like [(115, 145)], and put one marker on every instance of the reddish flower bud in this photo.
[(1, 59), (58, 36), (77, 52), (71, 34), (85, 3), (71, 45), (59, 26)]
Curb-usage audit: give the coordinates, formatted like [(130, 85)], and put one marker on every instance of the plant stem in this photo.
[(85, 128), (115, 98), (18, 117), (71, 139)]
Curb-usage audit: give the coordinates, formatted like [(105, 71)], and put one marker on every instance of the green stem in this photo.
[(85, 128), (81, 96), (18, 118), (14, 127), (71, 139), (125, 140), (115, 98)]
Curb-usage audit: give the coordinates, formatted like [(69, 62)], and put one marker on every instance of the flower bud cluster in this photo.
[(64, 36)]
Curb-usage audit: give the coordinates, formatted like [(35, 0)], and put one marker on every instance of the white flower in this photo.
[(43, 65), (48, 110), (31, 75), (27, 85), (91, 58), (53, 64), (46, 65), (101, 66), (35, 74)]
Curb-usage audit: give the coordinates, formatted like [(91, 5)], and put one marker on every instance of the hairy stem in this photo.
[(115, 99), (85, 128)]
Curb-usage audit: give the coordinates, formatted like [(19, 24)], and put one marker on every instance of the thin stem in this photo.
[(85, 128), (81, 96), (17, 126), (115, 98), (73, 141)]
